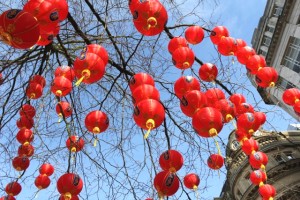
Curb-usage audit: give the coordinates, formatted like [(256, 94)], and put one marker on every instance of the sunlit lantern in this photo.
[(261, 117), (267, 191), (296, 108), (194, 34), (20, 163), (74, 197), (226, 46), (208, 72), (183, 58), (99, 51), (26, 150), (25, 122), (213, 95), (171, 160), (13, 188), (242, 135), (192, 101), (218, 33), (227, 109), (247, 122), (8, 197), (176, 43), (266, 77), (69, 185), (34, 91), (239, 43), (191, 181), (96, 122), (133, 4), (244, 54), (65, 71), (243, 108), (166, 183), (145, 91), (258, 160), (237, 99), (27, 110), (185, 84), (25, 136), (74, 143), (250, 146), (38, 79), (46, 169), (42, 181), (291, 96), (61, 86), (140, 79), (215, 161), (257, 177), (48, 33), (255, 63), (63, 109), (19, 29)]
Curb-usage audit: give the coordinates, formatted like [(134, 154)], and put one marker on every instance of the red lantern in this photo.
[(217, 33), (171, 160), (226, 108), (140, 79), (176, 43), (46, 169), (166, 183), (291, 96), (150, 17), (250, 146), (99, 51), (145, 91), (19, 29), (20, 163), (244, 53), (255, 63), (13, 188), (194, 34), (48, 33), (25, 136), (74, 143), (296, 108), (133, 4), (258, 160), (74, 197), (237, 99), (242, 135), (42, 181), (239, 43), (25, 122), (191, 181), (96, 122), (185, 84), (65, 71), (257, 177), (61, 86), (215, 161), (69, 185), (208, 72), (63, 108), (226, 46), (26, 150), (261, 117), (266, 77), (243, 108), (183, 58), (27, 110), (207, 122), (38, 79), (8, 197), (34, 91), (89, 68), (248, 123), (1, 79), (213, 95), (267, 191), (149, 114), (192, 101), (62, 7)]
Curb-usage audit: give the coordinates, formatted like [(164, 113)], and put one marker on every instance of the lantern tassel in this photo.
[(79, 81), (95, 142), (150, 124), (218, 147), (195, 188)]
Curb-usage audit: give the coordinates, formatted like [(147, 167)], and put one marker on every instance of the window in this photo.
[(277, 11), (270, 29), (262, 52), (284, 84), (279, 158), (289, 155), (266, 41), (291, 57)]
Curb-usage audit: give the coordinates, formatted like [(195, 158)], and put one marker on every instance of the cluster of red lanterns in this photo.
[(42, 181), (292, 97), (149, 113), (69, 185), (149, 17), (35, 87), (62, 82)]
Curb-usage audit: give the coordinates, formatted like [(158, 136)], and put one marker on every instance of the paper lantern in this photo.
[(46, 169), (185, 84), (140, 79), (75, 144), (296, 108), (291, 96), (248, 123), (217, 33), (213, 95), (25, 136), (63, 109), (69, 185), (133, 4), (74, 197), (191, 181), (19, 29), (38, 79), (145, 91), (255, 63), (208, 72), (34, 91), (194, 34), (250, 146), (227, 109), (96, 121), (42, 181), (99, 51), (215, 161), (27, 110), (176, 43), (266, 77), (258, 160), (62, 7), (8, 197), (244, 53), (267, 191), (171, 160), (239, 43), (226, 46), (26, 150), (20, 163), (13, 188), (61, 86), (183, 58), (242, 135), (257, 177), (261, 117), (237, 99), (192, 101), (65, 71), (25, 122), (48, 33), (166, 183), (243, 108)]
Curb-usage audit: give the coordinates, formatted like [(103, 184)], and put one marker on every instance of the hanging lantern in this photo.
[(258, 160), (89, 68), (34, 91), (20, 163), (261, 117), (19, 29), (69, 185), (25, 122), (46, 169), (244, 54), (62, 7), (255, 63), (176, 43), (267, 191), (25, 136), (27, 110), (166, 183), (291, 96), (237, 99), (192, 101), (140, 79), (99, 51), (296, 108), (74, 144), (208, 72), (207, 122), (96, 122), (26, 150), (42, 181), (266, 77), (194, 34), (48, 33), (213, 95), (248, 123), (217, 33), (250, 146), (185, 84), (242, 135), (8, 197), (65, 71), (149, 114), (61, 86), (74, 197), (243, 108), (215, 161), (171, 160), (63, 109), (257, 177), (1, 79), (150, 17), (133, 4), (191, 181), (226, 46), (226, 108), (183, 58), (13, 188), (238, 43), (38, 79), (145, 91)]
